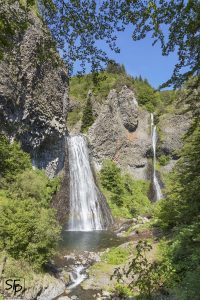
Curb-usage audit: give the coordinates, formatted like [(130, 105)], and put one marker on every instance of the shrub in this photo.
[(127, 197), (34, 184), (13, 159), (149, 277), (28, 231), (164, 159)]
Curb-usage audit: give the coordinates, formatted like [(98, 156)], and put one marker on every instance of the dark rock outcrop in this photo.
[(33, 94), (61, 199)]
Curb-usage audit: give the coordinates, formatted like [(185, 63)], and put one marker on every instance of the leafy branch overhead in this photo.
[(81, 27), (78, 25)]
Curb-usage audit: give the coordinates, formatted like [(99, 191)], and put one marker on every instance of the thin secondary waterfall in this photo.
[(85, 210), (156, 184)]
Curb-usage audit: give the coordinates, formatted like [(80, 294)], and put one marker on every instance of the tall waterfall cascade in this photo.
[(158, 192), (86, 213)]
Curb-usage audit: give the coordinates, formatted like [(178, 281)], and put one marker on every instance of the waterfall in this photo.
[(156, 184), (86, 211)]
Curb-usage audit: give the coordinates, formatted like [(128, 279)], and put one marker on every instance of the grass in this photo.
[(116, 256)]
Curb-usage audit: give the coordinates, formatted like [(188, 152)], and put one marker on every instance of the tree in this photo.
[(77, 25), (28, 231), (88, 118), (176, 24), (87, 22), (148, 276), (13, 159), (115, 68), (182, 206)]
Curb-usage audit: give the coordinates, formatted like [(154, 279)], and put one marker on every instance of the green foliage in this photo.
[(149, 277), (189, 287), (146, 95), (73, 117), (126, 196), (28, 231), (13, 159), (87, 118), (115, 68), (164, 159), (111, 180), (178, 215), (80, 85), (122, 290), (28, 227), (34, 184), (107, 80), (116, 256), (182, 205)]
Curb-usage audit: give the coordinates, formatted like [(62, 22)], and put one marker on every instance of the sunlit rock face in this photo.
[(33, 95), (173, 126), (122, 132)]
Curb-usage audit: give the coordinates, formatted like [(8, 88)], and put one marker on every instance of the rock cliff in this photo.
[(121, 132), (173, 126), (33, 94)]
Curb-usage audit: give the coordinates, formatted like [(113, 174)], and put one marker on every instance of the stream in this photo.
[(77, 252)]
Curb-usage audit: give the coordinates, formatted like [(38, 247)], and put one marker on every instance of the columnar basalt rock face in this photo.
[(173, 126), (33, 95), (121, 132)]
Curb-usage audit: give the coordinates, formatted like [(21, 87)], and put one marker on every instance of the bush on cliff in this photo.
[(145, 93), (127, 197)]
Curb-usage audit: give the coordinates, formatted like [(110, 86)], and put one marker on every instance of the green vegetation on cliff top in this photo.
[(114, 77)]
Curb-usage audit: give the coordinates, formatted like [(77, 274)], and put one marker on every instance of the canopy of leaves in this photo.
[(77, 25)]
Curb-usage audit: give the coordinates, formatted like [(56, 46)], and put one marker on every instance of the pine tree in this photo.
[(88, 118)]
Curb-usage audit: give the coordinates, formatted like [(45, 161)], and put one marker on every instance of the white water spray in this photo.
[(154, 140), (77, 276), (85, 210)]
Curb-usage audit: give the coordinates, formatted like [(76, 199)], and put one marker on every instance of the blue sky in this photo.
[(141, 58)]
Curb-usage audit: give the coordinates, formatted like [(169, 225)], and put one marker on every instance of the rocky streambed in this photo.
[(86, 261), (83, 262)]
